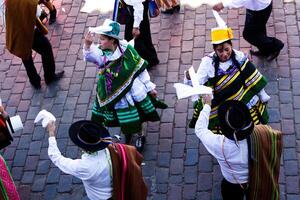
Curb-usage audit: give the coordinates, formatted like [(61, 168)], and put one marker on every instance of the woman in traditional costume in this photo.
[(125, 95), (232, 76)]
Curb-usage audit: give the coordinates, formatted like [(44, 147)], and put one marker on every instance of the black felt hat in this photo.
[(89, 135), (235, 120)]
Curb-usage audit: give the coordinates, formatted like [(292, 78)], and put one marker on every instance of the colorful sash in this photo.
[(8, 189), (264, 165), (121, 74), (229, 86)]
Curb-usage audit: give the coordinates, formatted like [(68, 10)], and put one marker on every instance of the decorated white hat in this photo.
[(109, 28), (221, 33)]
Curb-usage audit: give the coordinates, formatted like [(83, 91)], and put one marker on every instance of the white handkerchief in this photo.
[(184, 91), (45, 116)]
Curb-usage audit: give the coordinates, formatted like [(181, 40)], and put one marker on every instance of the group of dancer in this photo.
[(126, 98)]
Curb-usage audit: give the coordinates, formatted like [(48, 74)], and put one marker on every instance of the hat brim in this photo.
[(74, 131), (112, 36), (227, 131)]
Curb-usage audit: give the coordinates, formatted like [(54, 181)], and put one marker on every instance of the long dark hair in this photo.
[(216, 63)]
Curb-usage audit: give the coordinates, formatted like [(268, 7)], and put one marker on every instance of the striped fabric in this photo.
[(231, 87), (264, 165), (130, 119)]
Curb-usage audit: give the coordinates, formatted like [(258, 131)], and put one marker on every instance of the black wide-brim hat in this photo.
[(235, 118), (89, 135)]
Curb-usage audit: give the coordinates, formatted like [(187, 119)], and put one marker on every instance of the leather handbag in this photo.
[(121, 12), (153, 8)]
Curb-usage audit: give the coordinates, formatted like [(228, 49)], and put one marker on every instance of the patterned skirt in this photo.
[(129, 119)]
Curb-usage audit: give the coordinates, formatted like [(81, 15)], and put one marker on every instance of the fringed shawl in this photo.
[(266, 148)]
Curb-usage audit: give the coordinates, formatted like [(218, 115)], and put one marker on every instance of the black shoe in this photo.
[(52, 16), (43, 15), (168, 11), (56, 77), (140, 143), (275, 54), (176, 8)]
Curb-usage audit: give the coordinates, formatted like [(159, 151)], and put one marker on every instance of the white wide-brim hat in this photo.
[(109, 28)]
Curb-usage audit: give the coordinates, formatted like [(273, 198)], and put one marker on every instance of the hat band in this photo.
[(236, 129), (106, 140)]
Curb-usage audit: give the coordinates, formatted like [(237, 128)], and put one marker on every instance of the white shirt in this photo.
[(93, 169), (237, 157), (254, 5), (138, 11)]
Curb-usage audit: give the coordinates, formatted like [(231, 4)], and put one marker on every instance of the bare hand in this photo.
[(218, 7), (135, 32), (51, 128), (3, 112), (153, 93), (88, 39), (206, 99)]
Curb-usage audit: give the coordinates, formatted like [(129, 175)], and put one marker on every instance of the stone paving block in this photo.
[(38, 183), (189, 191), (166, 130), (179, 135), (291, 168), (151, 152), (289, 153), (274, 115), (38, 133), (178, 150), (53, 175), (17, 173), (192, 141), (72, 152), (176, 166), (35, 148), (70, 103), (167, 115), (285, 97), (162, 188), (28, 177), (190, 174), (43, 167), (24, 142), (191, 157), (31, 163), (286, 111), (65, 183), (180, 120), (161, 175), (50, 191), (174, 192), (149, 168), (292, 184), (165, 145), (84, 96)]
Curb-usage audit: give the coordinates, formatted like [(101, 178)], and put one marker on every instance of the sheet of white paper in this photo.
[(193, 77), (98, 5), (184, 91)]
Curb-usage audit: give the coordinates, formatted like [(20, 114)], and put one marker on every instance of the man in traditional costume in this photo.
[(108, 171), (24, 32), (125, 95), (232, 76), (248, 154), (255, 32)]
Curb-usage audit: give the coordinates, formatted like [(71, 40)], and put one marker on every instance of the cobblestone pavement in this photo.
[(176, 164)]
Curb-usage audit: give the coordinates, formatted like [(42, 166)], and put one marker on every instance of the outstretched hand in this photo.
[(218, 7), (88, 39), (206, 99)]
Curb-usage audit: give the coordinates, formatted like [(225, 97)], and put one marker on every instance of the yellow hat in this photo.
[(220, 35)]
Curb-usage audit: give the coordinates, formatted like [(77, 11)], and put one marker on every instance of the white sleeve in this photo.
[(145, 79), (233, 3), (93, 55), (69, 166), (138, 11), (205, 68), (38, 11), (211, 141)]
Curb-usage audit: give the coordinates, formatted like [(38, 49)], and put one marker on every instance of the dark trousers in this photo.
[(42, 46), (143, 43), (255, 31), (232, 191)]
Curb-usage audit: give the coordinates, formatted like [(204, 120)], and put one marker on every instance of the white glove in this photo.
[(45, 116)]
